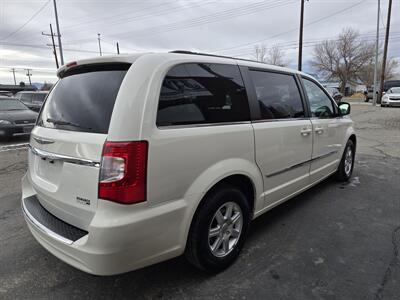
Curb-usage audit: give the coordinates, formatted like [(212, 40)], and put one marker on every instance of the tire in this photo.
[(345, 170), (198, 249)]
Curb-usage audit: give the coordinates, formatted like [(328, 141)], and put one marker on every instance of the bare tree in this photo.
[(260, 53), (273, 56), (367, 72), (344, 58)]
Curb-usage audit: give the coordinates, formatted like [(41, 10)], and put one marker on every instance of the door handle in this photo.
[(305, 131), (319, 130)]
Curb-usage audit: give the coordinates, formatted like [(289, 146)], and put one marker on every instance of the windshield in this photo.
[(395, 90), (84, 100), (11, 104)]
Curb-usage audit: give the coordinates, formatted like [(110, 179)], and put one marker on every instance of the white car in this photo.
[(141, 158), (391, 97)]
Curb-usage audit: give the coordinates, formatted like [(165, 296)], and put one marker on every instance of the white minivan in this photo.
[(141, 158)]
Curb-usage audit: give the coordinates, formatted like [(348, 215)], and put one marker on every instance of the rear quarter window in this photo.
[(199, 93), (83, 100)]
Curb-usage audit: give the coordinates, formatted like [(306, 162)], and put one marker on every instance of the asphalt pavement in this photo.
[(335, 241)]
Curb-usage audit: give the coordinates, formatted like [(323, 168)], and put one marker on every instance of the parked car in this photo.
[(369, 93), (34, 100), (389, 84), (391, 97), (138, 159), (335, 94), (15, 118)]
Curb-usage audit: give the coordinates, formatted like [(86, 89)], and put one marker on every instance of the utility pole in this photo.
[(300, 61), (58, 33), (53, 44), (98, 38), (29, 74), (13, 71), (376, 55), (385, 51), (117, 48)]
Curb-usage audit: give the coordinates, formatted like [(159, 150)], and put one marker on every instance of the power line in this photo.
[(212, 18), (44, 47), (365, 36), (117, 16), (189, 23), (26, 23), (291, 30)]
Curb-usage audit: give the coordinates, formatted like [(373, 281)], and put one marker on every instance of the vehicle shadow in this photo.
[(177, 274)]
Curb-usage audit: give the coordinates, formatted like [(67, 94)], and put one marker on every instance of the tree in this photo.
[(273, 56), (367, 72), (344, 58)]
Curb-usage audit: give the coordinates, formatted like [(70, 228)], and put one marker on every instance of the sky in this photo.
[(230, 28)]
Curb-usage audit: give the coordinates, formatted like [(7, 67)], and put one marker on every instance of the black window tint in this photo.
[(278, 95), (39, 97), (202, 93), (27, 98), (85, 100), (320, 104)]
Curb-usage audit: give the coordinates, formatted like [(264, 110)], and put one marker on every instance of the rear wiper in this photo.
[(63, 122)]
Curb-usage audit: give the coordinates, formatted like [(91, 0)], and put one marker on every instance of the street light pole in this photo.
[(300, 59), (29, 74), (98, 38), (13, 71), (58, 33), (385, 49), (52, 44), (376, 55)]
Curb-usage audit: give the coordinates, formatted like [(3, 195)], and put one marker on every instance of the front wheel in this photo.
[(219, 229), (346, 165)]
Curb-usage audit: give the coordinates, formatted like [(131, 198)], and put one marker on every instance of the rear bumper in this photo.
[(118, 239)]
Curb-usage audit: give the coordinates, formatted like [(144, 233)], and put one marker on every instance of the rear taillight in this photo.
[(123, 172)]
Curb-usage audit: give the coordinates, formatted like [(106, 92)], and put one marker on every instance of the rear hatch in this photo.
[(66, 145)]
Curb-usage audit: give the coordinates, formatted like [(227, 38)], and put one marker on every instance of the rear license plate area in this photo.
[(49, 169)]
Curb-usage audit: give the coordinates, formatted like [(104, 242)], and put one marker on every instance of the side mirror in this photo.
[(344, 108)]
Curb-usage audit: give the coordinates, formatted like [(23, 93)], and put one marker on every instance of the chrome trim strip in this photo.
[(42, 228), (301, 164), (288, 168), (73, 160), (162, 127)]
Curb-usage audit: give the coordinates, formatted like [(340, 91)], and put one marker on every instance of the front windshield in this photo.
[(395, 90), (11, 104)]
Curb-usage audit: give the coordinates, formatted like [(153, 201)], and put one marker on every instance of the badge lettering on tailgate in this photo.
[(83, 201)]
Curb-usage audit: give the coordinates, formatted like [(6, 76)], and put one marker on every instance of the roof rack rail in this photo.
[(213, 55)]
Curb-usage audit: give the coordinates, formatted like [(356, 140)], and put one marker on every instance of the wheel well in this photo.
[(354, 140), (242, 182)]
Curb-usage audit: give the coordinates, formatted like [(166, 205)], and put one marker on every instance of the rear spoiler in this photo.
[(74, 68)]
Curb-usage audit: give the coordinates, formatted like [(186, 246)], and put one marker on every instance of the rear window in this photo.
[(84, 99), (6, 105)]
